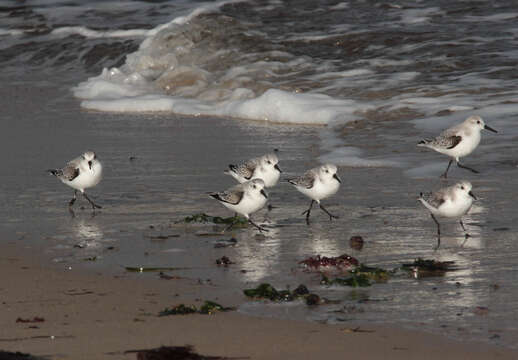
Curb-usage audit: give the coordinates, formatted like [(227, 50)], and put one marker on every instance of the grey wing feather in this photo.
[(435, 199), (70, 172), (307, 180), (246, 170), (448, 142), (230, 196)]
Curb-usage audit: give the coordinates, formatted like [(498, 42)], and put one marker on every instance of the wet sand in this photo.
[(91, 315), (176, 161)]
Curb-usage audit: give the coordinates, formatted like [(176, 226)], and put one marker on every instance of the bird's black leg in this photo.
[(467, 168), (308, 211), (234, 220), (331, 216), (463, 228), (94, 205), (438, 232), (261, 229), (445, 174), (73, 200)]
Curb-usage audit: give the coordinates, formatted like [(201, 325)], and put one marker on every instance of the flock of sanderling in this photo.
[(318, 183)]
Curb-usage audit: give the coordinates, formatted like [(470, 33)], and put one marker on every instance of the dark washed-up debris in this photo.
[(35, 319), (7, 355), (165, 276), (343, 262), (354, 280), (180, 309), (481, 310), (172, 352), (429, 267), (268, 292), (225, 261), (360, 276), (204, 218), (208, 308), (356, 242), (161, 236), (373, 273)]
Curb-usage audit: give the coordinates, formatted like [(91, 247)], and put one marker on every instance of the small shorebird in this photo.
[(264, 167), (244, 199), (450, 202), (317, 184), (81, 173), (458, 141)]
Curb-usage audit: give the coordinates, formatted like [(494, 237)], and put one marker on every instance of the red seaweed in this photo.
[(343, 262)]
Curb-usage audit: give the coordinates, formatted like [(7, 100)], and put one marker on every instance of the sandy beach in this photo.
[(88, 315)]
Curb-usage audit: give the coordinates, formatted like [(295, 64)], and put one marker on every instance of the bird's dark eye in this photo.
[(269, 162), (255, 187), (462, 187), (478, 122)]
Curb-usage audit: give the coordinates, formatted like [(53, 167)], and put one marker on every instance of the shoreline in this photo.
[(84, 318)]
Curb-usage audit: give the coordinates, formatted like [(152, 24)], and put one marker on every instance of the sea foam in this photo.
[(180, 67)]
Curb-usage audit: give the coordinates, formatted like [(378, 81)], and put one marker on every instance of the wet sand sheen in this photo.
[(99, 316)]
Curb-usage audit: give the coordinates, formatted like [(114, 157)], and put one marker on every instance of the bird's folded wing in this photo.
[(231, 197)]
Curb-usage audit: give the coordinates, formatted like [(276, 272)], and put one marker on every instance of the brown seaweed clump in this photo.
[(343, 262), (172, 352)]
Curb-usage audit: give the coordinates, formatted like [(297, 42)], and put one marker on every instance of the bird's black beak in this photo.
[(90, 164), (337, 178), (264, 194), (490, 129), (472, 195), (277, 168)]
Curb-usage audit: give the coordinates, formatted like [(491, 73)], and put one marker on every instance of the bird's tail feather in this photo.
[(232, 169), (55, 172), (424, 142)]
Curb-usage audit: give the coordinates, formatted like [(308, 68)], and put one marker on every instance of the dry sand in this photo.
[(98, 316)]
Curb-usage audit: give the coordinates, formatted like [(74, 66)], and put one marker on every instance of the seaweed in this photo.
[(180, 309), (342, 262), (7, 355), (208, 308), (268, 292), (355, 280), (428, 267), (225, 261), (360, 276), (204, 218), (373, 273), (172, 352)]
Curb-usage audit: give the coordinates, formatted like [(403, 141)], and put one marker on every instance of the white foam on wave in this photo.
[(416, 16), (274, 105), (89, 33), (168, 73), (12, 32), (491, 18), (340, 6)]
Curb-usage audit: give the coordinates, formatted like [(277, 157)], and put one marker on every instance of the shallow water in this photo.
[(391, 74)]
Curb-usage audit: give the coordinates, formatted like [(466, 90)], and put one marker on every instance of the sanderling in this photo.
[(81, 173), (450, 202), (318, 183), (244, 199), (458, 141), (264, 167)]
